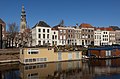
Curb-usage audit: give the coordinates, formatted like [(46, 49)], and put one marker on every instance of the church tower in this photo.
[(23, 23)]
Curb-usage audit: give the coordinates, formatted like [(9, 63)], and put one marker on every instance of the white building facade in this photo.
[(101, 37), (55, 40), (41, 35), (97, 37), (105, 38)]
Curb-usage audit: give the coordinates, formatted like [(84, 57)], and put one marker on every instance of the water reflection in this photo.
[(60, 70), (9, 71), (85, 69), (105, 67)]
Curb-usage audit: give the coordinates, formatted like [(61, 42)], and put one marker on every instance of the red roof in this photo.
[(105, 29), (27, 30), (85, 25)]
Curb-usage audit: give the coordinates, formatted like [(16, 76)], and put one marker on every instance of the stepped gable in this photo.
[(85, 25)]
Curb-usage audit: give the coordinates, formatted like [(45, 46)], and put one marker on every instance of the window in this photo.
[(91, 36), (60, 36), (53, 42), (52, 36), (55, 36), (88, 30), (39, 30), (68, 30), (33, 75), (47, 30), (48, 42), (43, 42), (43, 30), (83, 36), (34, 60), (60, 31), (26, 60), (91, 30), (33, 51), (64, 37), (39, 42), (62, 42), (39, 36), (64, 31), (69, 36), (43, 35), (30, 60), (47, 35), (56, 42), (88, 36), (83, 30), (54, 32), (28, 52)]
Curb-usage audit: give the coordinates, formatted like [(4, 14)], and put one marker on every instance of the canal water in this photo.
[(84, 69)]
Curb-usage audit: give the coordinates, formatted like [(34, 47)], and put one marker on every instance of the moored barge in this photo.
[(108, 52)]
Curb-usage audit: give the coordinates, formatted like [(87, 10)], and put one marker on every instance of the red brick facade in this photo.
[(102, 53)]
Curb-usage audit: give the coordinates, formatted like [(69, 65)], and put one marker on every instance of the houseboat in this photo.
[(42, 55), (104, 52)]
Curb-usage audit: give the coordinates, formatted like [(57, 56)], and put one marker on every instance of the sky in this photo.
[(98, 13)]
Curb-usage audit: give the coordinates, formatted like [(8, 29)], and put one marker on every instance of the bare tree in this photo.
[(25, 38), (12, 33)]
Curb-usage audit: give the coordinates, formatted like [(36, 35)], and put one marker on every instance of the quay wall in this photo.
[(9, 55)]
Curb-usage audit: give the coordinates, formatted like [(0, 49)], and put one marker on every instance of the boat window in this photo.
[(33, 51)]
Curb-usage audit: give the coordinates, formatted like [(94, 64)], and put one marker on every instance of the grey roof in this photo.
[(58, 26), (1, 21), (42, 24)]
